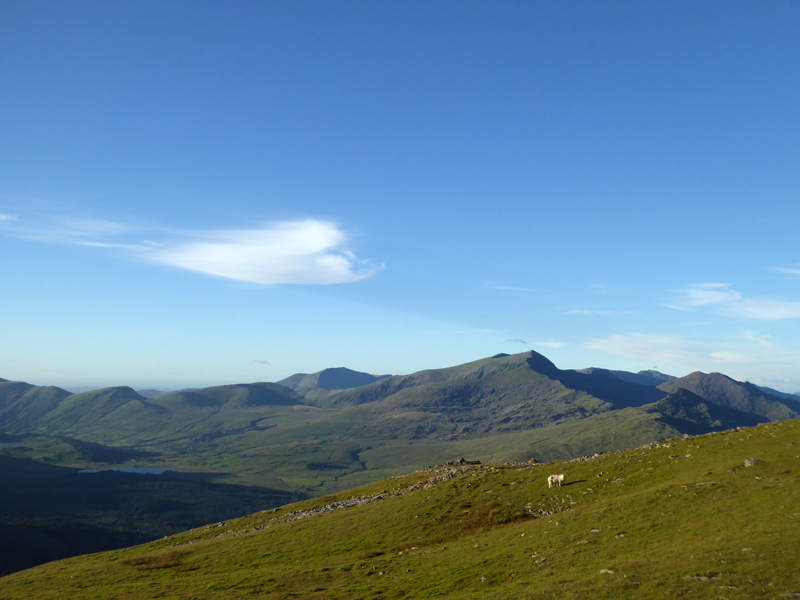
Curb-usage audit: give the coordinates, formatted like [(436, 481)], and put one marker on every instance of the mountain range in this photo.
[(338, 428), (321, 433)]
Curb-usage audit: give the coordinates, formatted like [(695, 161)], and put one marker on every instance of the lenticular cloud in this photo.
[(297, 252)]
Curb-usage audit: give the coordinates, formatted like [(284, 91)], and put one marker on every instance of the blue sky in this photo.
[(197, 193)]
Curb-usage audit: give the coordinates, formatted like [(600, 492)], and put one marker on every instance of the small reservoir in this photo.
[(136, 470)]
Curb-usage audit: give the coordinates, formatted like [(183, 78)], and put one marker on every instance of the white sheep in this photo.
[(555, 479)]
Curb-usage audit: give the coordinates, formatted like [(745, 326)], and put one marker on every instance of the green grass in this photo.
[(685, 519)]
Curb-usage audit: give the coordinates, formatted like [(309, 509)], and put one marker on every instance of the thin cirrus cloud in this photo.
[(306, 252), (752, 355), (724, 300), (787, 270)]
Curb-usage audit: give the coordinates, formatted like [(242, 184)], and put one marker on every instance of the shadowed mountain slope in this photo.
[(779, 394), (724, 391), (651, 378), (690, 414)]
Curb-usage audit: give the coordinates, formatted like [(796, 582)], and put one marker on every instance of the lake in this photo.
[(137, 470)]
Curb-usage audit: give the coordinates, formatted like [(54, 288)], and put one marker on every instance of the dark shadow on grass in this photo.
[(573, 482)]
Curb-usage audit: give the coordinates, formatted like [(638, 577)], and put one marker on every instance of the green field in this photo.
[(713, 516)]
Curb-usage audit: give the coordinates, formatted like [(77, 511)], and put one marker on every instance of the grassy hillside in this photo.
[(704, 517), (22, 405)]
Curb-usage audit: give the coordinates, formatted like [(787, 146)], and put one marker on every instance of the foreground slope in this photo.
[(703, 517)]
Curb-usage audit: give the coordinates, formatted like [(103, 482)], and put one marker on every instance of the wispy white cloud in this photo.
[(788, 270), (295, 252), (515, 341), (765, 310), (707, 294), (309, 252), (722, 299), (261, 362), (7, 217)]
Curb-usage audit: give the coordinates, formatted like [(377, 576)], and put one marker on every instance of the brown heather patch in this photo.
[(167, 560)]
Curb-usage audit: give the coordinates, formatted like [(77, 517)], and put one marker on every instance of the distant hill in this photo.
[(318, 384), (241, 395), (22, 404), (724, 391), (121, 415)]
